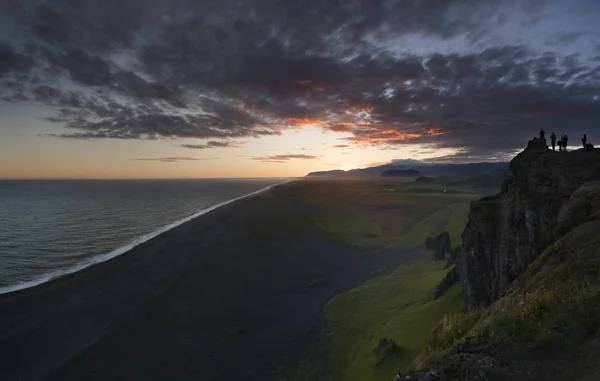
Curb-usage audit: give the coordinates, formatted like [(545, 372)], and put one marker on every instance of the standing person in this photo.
[(560, 145), (553, 139), (584, 140), (565, 140), (543, 134)]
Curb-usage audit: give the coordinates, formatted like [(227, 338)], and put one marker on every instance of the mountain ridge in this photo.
[(425, 169)]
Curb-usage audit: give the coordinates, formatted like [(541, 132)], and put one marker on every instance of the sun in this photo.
[(347, 167)]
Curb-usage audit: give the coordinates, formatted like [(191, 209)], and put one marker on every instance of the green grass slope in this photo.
[(387, 215), (397, 306), (556, 305)]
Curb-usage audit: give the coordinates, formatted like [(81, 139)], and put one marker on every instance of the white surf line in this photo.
[(123, 249)]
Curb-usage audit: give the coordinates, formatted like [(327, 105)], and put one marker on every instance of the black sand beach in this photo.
[(230, 295)]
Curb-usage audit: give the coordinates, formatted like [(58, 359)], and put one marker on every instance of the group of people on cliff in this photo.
[(562, 143)]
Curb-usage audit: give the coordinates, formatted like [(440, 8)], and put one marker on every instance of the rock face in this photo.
[(385, 348), (440, 246), (545, 195)]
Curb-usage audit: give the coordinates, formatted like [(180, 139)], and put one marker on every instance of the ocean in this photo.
[(49, 228)]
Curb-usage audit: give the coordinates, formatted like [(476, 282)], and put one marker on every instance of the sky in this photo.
[(278, 88)]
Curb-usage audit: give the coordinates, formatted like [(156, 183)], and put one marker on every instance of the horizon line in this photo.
[(145, 178)]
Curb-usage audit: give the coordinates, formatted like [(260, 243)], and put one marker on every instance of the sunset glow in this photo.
[(184, 94)]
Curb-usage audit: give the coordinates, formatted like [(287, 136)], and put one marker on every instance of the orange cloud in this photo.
[(435, 132), (306, 121)]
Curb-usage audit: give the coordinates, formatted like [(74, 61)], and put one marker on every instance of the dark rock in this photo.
[(583, 205), (506, 232), (453, 257), (446, 283), (440, 245), (385, 348), (537, 144)]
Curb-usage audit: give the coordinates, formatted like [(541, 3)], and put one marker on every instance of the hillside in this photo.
[(485, 182), (400, 173), (530, 272), (425, 169)]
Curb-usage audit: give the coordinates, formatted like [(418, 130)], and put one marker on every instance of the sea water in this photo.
[(50, 228)]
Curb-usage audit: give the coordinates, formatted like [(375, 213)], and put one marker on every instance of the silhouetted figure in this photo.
[(543, 134), (560, 145), (553, 139), (589, 147), (584, 141), (565, 141)]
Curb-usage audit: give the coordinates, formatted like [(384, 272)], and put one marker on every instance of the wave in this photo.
[(123, 249)]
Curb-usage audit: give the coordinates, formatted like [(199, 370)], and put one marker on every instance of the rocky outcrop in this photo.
[(385, 348), (440, 245), (545, 195), (583, 205)]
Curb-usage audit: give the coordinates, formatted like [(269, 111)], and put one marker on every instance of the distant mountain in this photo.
[(425, 169), (400, 173)]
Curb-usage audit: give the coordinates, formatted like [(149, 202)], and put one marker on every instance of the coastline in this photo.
[(45, 278), (225, 295)]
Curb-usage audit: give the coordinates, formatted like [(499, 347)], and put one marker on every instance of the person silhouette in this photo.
[(584, 140), (565, 141), (553, 139), (560, 145), (542, 134)]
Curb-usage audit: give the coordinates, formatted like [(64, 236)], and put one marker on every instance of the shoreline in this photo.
[(226, 296), (100, 258)]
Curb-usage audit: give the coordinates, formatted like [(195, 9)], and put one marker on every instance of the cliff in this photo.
[(530, 259), (545, 195)]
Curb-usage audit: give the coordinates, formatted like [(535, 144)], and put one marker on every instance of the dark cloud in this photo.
[(133, 69), (176, 159), (12, 61), (284, 158), (341, 146), (214, 144), (564, 38)]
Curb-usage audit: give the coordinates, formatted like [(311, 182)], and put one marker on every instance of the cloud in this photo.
[(565, 38), (450, 74), (176, 159), (284, 158), (341, 146), (214, 144)]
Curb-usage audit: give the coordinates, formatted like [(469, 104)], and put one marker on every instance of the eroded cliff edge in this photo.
[(530, 271), (546, 194)]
